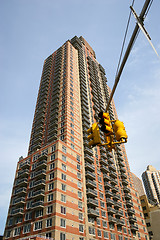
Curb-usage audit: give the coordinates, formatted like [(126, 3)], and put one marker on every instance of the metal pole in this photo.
[(127, 52)]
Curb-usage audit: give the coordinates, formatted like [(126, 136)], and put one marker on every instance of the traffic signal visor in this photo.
[(106, 123), (94, 136), (120, 131)]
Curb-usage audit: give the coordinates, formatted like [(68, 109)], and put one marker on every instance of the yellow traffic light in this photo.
[(106, 123), (95, 135), (120, 131)]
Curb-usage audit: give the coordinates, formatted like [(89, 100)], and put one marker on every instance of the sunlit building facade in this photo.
[(64, 189)]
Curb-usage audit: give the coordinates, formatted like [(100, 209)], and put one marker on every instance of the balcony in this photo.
[(108, 193), (118, 148), (37, 140), (18, 201), (92, 202), (38, 204), (21, 182), (113, 174), (106, 177), (39, 183), (90, 183), (107, 185), (134, 227), (121, 164), (23, 173), (131, 211), (25, 164), (90, 175), (104, 168), (39, 127), (89, 167), (111, 210), (115, 189), (41, 164), (122, 169), (109, 201), (39, 174), (110, 160), (38, 134), (88, 158), (91, 192), (112, 219), (119, 213), (114, 181), (132, 219), (124, 182), (120, 158), (88, 151), (118, 204), (53, 131), (103, 155), (120, 222), (126, 190), (123, 175), (116, 197), (103, 161), (52, 138), (17, 211), (129, 203), (20, 191), (92, 212), (112, 167), (128, 196), (38, 193)]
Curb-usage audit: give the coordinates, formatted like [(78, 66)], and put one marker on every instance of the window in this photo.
[(64, 149), (80, 194), (72, 146), (63, 187), (63, 176), (49, 222), (49, 209), (52, 166), (102, 204), (62, 124), (113, 236), (98, 221), (62, 137), (50, 197), (99, 179), (120, 238), (111, 225), (51, 175), (63, 198), (80, 204), (79, 184), (104, 223), (99, 232), (17, 231), (27, 228), (51, 186), (144, 208), (39, 213), (92, 230), (62, 236), (72, 125), (28, 216), (103, 213), (148, 224), (78, 175), (78, 166), (53, 148), (62, 130), (100, 187), (72, 132), (64, 167), (71, 103), (72, 114), (106, 235), (63, 223), (72, 139), (63, 210), (124, 230), (63, 158), (101, 195), (80, 228), (72, 119), (80, 216), (38, 225), (48, 235), (78, 158)]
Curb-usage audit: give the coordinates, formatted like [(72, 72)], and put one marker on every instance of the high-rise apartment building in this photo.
[(151, 181), (64, 189)]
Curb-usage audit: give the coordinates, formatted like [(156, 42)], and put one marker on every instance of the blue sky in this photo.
[(33, 29)]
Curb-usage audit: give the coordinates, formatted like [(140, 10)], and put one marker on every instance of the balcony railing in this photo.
[(104, 168), (17, 211), (108, 193), (20, 191), (23, 173), (91, 192), (21, 181), (93, 202), (89, 166), (91, 183), (17, 201), (92, 212), (111, 210), (90, 175), (106, 177), (112, 219), (89, 158)]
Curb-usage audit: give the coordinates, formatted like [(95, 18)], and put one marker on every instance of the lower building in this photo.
[(151, 213)]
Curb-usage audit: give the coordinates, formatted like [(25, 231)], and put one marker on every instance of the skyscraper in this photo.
[(64, 189), (151, 181)]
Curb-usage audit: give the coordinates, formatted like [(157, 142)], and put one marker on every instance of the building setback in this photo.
[(151, 181), (64, 189)]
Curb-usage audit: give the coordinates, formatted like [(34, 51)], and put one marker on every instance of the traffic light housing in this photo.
[(120, 131), (94, 135), (106, 123)]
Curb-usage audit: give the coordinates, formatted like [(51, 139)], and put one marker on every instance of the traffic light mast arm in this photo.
[(146, 4)]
